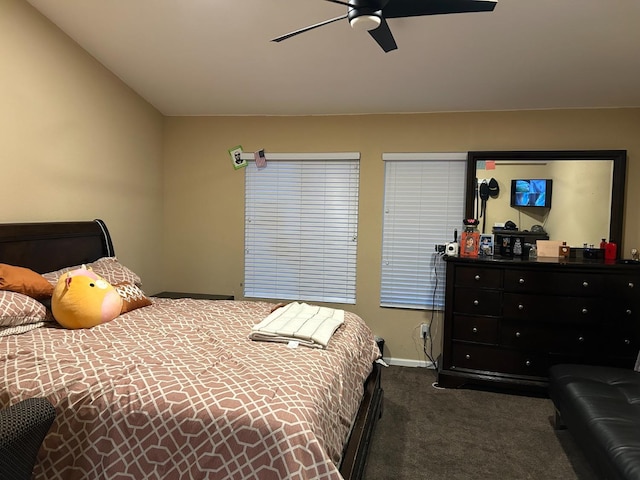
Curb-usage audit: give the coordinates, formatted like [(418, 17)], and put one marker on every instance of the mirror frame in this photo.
[(619, 158)]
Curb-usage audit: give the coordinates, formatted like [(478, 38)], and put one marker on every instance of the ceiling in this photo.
[(215, 57)]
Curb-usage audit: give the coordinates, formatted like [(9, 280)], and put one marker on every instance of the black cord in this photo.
[(429, 354)]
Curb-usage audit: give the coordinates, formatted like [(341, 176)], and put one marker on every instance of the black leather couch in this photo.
[(601, 408)]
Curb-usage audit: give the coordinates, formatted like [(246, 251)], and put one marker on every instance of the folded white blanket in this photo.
[(310, 325)]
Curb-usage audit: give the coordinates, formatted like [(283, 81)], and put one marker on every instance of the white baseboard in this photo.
[(407, 362)]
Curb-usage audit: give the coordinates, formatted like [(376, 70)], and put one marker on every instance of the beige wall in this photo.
[(204, 204), (76, 143)]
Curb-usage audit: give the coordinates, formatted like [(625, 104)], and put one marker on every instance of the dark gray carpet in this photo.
[(435, 434)]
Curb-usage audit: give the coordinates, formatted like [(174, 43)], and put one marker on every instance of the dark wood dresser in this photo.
[(507, 321)]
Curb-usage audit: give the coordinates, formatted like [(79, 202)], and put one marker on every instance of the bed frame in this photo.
[(48, 246)]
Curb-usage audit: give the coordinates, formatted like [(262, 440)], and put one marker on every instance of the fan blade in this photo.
[(339, 2), (310, 27), (384, 37), (417, 8), (372, 4)]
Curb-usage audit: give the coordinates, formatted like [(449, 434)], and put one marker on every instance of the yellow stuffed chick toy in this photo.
[(83, 299)]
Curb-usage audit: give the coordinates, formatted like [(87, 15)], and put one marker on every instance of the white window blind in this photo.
[(423, 205), (301, 221)]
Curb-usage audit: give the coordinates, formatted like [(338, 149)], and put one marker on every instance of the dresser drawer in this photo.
[(477, 301), (552, 308), (575, 339), (495, 359), (471, 276), (529, 335), (623, 341), (554, 283), (623, 287), (475, 329), (622, 310)]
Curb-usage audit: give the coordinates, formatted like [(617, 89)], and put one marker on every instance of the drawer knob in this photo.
[(474, 329), (520, 306), (518, 334), (585, 284), (627, 341), (630, 284), (467, 356), (476, 303), (527, 363), (477, 277), (585, 311), (629, 311), (521, 281), (581, 339)]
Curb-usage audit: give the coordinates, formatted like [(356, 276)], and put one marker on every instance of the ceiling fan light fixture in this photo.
[(372, 15), (365, 22)]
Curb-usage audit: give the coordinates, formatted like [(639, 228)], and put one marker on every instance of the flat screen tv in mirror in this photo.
[(530, 192)]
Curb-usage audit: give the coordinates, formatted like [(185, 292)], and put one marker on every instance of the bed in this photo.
[(176, 389)]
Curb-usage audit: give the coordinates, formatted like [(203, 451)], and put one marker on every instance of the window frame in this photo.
[(326, 291), (399, 286)]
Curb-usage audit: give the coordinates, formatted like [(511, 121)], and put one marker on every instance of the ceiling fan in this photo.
[(371, 15)]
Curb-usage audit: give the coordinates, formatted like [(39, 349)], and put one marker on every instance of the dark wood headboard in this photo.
[(45, 247)]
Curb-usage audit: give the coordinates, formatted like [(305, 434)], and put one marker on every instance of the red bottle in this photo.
[(610, 251)]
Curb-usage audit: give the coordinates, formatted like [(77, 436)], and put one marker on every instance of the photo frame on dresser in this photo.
[(469, 244), (486, 245)]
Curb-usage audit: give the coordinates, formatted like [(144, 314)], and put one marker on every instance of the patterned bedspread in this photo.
[(177, 390)]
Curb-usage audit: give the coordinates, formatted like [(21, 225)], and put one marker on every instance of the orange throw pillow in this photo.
[(25, 281)]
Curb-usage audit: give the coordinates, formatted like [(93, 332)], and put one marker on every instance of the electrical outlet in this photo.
[(424, 330)]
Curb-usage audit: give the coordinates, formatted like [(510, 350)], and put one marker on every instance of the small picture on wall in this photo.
[(486, 245), (236, 157), (469, 244)]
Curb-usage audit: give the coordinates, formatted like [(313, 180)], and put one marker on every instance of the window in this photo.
[(423, 205), (301, 221)]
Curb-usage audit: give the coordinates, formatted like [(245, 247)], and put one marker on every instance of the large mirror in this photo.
[(586, 193)]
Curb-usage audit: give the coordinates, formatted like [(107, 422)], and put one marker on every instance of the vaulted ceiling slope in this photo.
[(215, 57)]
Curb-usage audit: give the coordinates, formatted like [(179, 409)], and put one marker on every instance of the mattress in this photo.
[(178, 390)]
